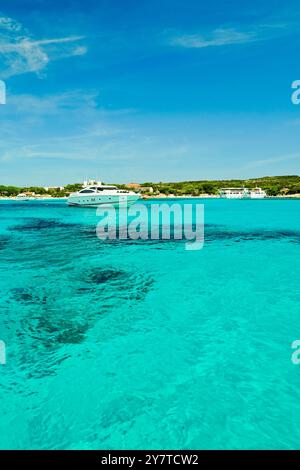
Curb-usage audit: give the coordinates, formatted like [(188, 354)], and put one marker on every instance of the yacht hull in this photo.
[(102, 200), (257, 196), (237, 196)]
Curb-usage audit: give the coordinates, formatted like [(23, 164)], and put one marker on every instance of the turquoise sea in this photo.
[(143, 344)]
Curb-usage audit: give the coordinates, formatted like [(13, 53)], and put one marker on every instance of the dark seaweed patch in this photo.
[(88, 232), (111, 284), (52, 328), (102, 276), (100, 292), (213, 232), (24, 295), (53, 316), (41, 224), (73, 335), (264, 235), (3, 242), (83, 290)]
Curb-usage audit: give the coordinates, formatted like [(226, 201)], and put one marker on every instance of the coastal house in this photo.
[(91, 182), (133, 186), (54, 188), (146, 189)]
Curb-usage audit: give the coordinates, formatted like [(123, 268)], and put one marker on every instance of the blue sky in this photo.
[(136, 90)]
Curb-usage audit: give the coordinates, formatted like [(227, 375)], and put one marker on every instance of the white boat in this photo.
[(257, 193), (24, 197), (233, 193), (242, 193), (97, 194)]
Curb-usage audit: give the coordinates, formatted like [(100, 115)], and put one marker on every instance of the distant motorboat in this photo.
[(24, 197), (257, 193), (242, 193), (233, 193)]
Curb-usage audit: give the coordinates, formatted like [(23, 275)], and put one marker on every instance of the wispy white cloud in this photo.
[(225, 36), (21, 53), (272, 160), (218, 37), (57, 40), (62, 126), (9, 24), (80, 50), (43, 106), (72, 130)]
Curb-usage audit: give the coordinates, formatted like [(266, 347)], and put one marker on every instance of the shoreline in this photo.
[(292, 196), (159, 196), (8, 198)]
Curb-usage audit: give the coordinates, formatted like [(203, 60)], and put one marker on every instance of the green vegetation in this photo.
[(8, 191), (72, 188), (274, 185)]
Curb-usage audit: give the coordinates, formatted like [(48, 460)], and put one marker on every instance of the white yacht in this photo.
[(95, 194), (242, 193), (257, 193), (24, 197), (233, 193)]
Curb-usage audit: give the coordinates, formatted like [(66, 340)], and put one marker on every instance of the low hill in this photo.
[(274, 185)]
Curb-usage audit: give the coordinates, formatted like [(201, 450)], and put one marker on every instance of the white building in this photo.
[(91, 182), (59, 188)]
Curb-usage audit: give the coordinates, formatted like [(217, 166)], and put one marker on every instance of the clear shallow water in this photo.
[(144, 344)]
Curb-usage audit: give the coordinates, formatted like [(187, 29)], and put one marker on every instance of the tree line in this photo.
[(274, 185)]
